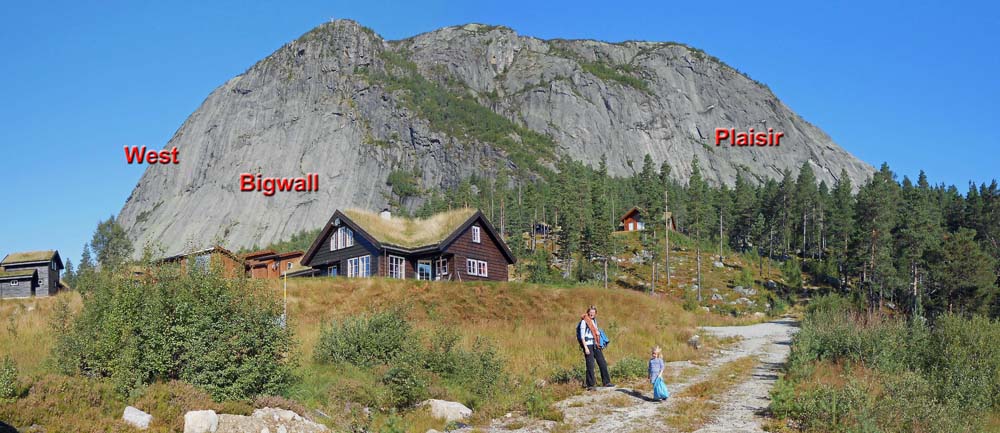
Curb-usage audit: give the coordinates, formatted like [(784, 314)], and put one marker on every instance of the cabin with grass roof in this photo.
[(458, 245), (30, 273)]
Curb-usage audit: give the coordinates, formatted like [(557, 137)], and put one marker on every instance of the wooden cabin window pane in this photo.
[(397, 267)]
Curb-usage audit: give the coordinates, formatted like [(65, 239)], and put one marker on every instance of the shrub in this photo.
[(792, 273), (745, 278), (629, 368), (365, 340), (538, 404), (220, 334), (407, 385), (8, 378), (576, 373)]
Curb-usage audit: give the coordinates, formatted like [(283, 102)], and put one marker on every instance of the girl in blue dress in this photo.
[(660, 392)]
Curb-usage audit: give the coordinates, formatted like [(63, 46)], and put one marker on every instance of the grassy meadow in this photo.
[(530, 326)]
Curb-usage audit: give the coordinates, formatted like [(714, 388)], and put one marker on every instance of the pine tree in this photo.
[(841, 218), (745, 210), (877, 214), (804, 202), (699, 210), (919, 233), (69, 274), (963, 275)]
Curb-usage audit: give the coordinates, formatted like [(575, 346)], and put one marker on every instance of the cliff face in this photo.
[(343, 103)]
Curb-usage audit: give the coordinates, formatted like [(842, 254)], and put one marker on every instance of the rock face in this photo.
[(136, 418), (320, 104)]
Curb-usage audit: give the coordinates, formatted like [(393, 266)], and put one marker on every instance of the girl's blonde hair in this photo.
[(656, 350)]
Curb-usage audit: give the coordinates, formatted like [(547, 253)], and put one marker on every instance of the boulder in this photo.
[(770, 284), (136, 418), (447, 410), (716, 297), (201, 421), (718, 264), (745, 301), (694, 342), (276, 414)]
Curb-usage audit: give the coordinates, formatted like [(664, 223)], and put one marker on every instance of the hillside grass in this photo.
[(531, 327)]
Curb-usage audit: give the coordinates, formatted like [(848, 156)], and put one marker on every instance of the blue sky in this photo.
[(911, 83)]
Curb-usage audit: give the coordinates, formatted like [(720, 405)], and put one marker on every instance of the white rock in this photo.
[(276, 414), (265, 430), (282, 429), (201, 421), (447, 410), (718, 264), (137, 418)]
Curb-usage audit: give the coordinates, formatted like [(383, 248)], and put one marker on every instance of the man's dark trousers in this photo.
[(597, 354)]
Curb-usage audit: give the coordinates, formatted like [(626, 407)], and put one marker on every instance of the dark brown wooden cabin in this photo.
[(45, 282), (458, 245)]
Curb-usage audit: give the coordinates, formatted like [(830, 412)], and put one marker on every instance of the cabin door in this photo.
[(424, 270)]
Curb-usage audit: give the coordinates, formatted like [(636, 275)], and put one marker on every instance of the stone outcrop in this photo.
[(320, 104)]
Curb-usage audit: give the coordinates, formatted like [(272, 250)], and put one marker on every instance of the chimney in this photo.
[(385, 214)]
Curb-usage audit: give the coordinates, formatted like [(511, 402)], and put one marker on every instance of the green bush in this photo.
[(963, 361), (8, 378), (365, 340), (576, 373), (792, 273), (223, 335), (407, 385), (889, 374), (629, 368), (538, 404), (745, 278)]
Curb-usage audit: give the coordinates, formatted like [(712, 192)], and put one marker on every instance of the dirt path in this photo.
[(623, 409)]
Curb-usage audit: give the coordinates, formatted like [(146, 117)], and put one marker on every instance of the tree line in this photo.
[(917, 247)]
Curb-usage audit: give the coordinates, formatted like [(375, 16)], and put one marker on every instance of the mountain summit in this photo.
[(351, 107)]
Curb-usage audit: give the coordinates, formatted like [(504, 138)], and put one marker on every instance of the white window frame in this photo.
[(342, 238), (359, 267), (13, 282), (289, 265), (430, 269), (476, 235), (397, 267), (477, 268), (441, 266)]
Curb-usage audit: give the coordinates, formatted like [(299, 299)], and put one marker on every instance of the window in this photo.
[(53, 265), (397, 267), (442, 267), (475, 234), (201, 262), (342, 238), (13, 282), (476, 267), (424, 270), (359, 266), (331, 271), (289, 265)]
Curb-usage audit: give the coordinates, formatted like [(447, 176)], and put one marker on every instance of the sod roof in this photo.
[(17, 274), (410, 232), (29, 256)]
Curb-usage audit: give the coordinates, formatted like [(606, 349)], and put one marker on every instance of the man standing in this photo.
[(589, 337)]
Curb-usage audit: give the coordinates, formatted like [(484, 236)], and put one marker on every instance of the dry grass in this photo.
[(531, 324), (697, 403), (26, 333), (410, 232)]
